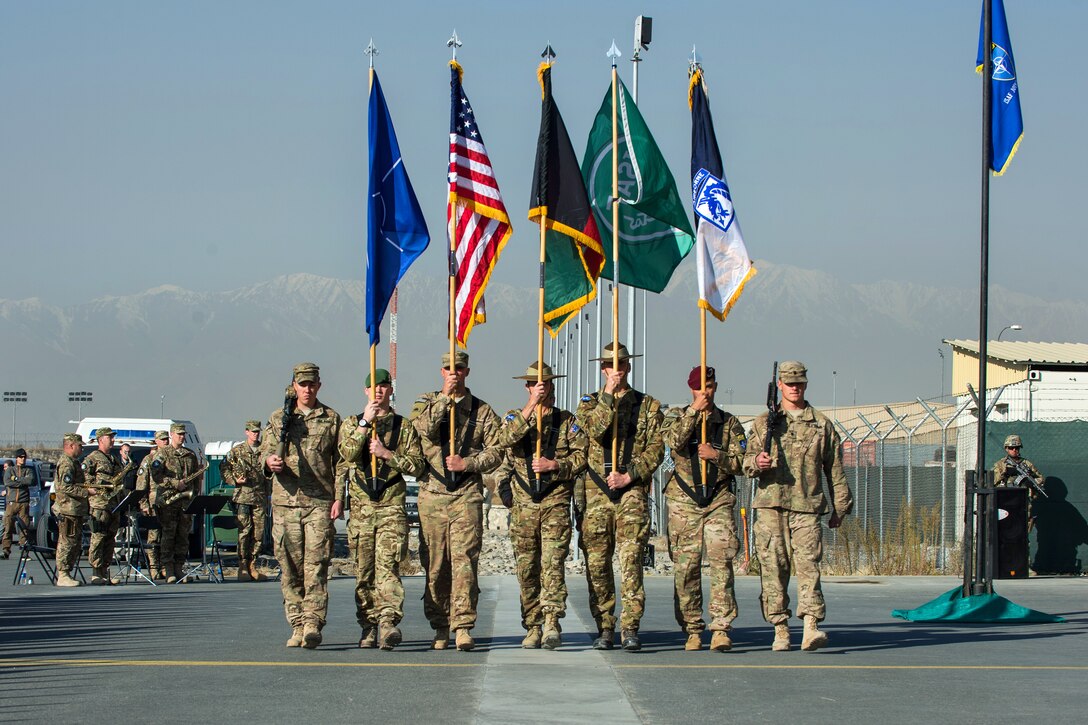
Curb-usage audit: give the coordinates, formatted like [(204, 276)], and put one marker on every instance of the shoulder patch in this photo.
[(510, 416), (68, 478), (743, 444), (587, 398), (575, 429), (84, 466)]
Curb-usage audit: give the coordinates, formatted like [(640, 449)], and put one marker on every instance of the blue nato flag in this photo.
[(396, 231), (1007, 124)]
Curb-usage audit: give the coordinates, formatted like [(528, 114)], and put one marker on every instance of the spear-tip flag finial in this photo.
[(614, 53), (371, 51), (454, 43), (548, 55), (696, 61)]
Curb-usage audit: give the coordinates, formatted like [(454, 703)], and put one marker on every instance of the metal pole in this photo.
[(984, 256)]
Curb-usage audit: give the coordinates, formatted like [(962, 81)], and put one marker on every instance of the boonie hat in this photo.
[(531, 373), (460, 359), (623, 354), (307, 372), (254, 425), (1013, 441), (695, 377), (793, 371), (381, 377)]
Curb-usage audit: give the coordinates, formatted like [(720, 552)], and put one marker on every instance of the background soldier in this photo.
[(102, 467), (242, 469), (451, 500), (617, 511), (540, 517), (790, 500), (171, 474), (305, 502), (71, 507), (701, 510), (378, 527), (17, 479), (1006, 473), (143, 483)]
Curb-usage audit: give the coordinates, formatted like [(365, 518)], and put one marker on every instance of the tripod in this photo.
[(204, 506), (132, 556)]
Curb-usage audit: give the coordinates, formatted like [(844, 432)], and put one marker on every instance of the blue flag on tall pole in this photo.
[(1007, 123), (396, 230)]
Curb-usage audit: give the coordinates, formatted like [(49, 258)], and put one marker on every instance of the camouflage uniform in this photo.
[(302, 498), (1006, 475), (171, 465), (711, 523), (147, 507), (242, 469), (451, 517), (71, 508), (378, 527), (98, 469), (17, 480), (620, 519), (789, 500), (540, 527)]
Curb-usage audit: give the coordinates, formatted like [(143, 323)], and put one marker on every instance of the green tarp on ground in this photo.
[(952, 606)]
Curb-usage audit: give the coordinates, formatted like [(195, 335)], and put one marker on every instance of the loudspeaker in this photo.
[(1012, 533)]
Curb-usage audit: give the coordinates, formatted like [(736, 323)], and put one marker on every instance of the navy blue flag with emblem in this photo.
[(1007, 124), (396, 230)]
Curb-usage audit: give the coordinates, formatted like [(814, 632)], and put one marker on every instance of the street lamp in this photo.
[(1009, 327), (835, 393), (14, 397), (79, 398), (729, 392)]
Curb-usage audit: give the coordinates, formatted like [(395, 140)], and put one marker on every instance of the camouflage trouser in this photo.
[(690, 529), (69, 542), (104, 526), (250, 531), (302, 537), (784, 538), (153, 546), (607, 527), (450, 539), (377, 535), (174, 534), (540, 534), (13, 510)]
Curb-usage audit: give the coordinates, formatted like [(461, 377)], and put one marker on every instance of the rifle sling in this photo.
[(699, 492), (375, 487), (454, 480)]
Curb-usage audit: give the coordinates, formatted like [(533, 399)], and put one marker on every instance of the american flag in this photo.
[(476, 217)]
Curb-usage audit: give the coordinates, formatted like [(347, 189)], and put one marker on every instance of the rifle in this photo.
[(174, 494), (1024, 475), (772, 408), (288, 411)]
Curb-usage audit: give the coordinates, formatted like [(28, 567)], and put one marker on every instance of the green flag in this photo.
[(655, 232)]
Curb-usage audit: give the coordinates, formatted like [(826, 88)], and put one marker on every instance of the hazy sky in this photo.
[(216, 144)]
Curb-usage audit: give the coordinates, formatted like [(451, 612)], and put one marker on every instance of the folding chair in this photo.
[(222, 523), (43, 554)]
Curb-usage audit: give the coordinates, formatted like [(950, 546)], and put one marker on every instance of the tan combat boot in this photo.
[(243, 571), (311, 636), (532, 638), (389, 635), (813, 638), (465, 642), (694, 642), (781, 638), (441, 638), (256, 573), (296, 638), (369, 638), (551, 636), (65, 580), (720, 642)]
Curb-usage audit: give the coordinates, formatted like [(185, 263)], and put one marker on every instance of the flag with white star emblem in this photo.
[(476, 217)]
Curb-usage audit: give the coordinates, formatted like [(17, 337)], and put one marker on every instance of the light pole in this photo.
[(14, 397), (729, 392), (835, 393), (162, 405), (1016, 328), (79, 398), (941, 353)]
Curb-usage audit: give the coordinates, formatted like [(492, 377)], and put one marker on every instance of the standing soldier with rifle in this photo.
[(789, 452), (541, 463), (701, 499), (378, 441), (622, 421), (1012, 470), (242, 469), (299, 451), (173, 487), (451, 499), (71, 507), (103, 470)]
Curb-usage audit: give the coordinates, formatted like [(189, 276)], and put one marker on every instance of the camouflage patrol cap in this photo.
[(73, 438), (460, 359), (793, 371), (307, 372), (622, 353), (254, 425), (531, 373), (106, 431), (381, 377), (161, 435), (178, 428), (1013, 441)]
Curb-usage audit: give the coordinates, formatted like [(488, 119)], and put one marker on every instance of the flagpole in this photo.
[(540, 337), (614, 53), (371, 51), (702, 386), (451, 232)]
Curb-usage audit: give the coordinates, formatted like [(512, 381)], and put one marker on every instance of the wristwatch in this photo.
[(363, 423)]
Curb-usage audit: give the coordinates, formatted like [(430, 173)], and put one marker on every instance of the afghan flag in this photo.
[(572, 244), (655, 234)]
